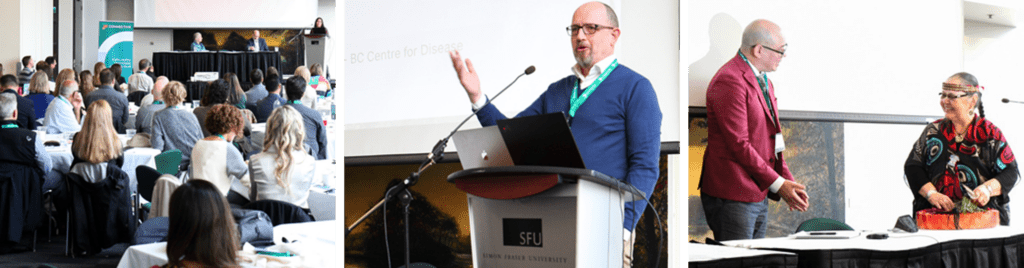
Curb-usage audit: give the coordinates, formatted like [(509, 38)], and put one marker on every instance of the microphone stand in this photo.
[(435, 155)]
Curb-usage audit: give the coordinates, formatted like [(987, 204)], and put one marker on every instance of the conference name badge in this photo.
[(780, 145)]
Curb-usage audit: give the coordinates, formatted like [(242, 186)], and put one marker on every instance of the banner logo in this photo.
[(522, 232)]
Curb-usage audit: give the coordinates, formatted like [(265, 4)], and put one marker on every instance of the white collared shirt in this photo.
[(780, 180), (585, 81)]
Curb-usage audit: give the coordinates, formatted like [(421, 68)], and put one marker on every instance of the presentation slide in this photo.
[(225, 13), (402, 94)]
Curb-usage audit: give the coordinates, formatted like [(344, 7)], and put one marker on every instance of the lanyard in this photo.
[(10, 126), (295, 102), (158, 102), (575, 102), (764, 88), (63, 99)]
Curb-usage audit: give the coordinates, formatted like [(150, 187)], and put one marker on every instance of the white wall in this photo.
[(120, 10), (10, 15), (93, 11), (148, 41), (36, 29), (65, 32)]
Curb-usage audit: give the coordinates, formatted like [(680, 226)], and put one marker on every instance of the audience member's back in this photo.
[(316, 135), (117, 100)]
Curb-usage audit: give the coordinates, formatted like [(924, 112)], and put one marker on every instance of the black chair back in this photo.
[(147, 177), (280, 212)]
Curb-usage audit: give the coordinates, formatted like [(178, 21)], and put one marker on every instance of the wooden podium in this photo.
[(539, 216)]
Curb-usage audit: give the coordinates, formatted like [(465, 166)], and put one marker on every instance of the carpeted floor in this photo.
[(51, 254)]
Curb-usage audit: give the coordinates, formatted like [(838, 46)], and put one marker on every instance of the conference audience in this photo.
[(319, 80), (257, 92), (39, 93), (65, 113), (963, 149), (272, 71), (146, 67), (257, 43), (197, 42), (42, 66), (216, 93), (64, 75), (309, 95), (20, 145), (28, 69), (144, 117), (215, 158), (139, 85), (120, 81), (96, 146), (273, 99), (52, 62), (26, 109), (86, 86), (201, 230), (118, 102), (316, 135), (174, 127), (97, 68), (283, 171), (318, 27), (158, 84), (236, 96)]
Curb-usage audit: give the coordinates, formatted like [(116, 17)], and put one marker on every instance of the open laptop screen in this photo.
[(541, 140)]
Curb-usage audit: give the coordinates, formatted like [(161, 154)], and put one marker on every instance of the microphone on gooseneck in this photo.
[(1005, 100), (438, 150)]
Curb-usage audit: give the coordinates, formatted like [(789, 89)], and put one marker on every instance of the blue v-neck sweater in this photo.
[(618, 129)]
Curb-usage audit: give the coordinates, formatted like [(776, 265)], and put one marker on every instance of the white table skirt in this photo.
[(895, 242), (62, 158)]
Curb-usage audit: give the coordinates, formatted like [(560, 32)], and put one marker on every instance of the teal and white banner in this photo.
[(116, 45)]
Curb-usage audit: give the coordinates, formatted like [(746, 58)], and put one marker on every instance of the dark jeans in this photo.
[(735, 220)]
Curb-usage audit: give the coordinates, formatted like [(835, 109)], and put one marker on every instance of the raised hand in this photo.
[(467, 76)]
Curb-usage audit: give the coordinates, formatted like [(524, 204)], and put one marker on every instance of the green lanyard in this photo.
[(764, 87), (158, 102), (295, 102), (10, 126), (575, 102), (63, 99)]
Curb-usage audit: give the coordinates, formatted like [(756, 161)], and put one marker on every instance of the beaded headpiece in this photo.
[(963, 88)]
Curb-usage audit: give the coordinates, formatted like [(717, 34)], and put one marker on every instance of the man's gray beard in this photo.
[(585, 62)]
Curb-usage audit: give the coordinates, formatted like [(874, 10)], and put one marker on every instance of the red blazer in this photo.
[(740, 161)]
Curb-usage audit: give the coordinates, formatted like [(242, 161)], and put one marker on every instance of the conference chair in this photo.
[(147, 177), (168, 162), (280, 212), (21, 201), (100, 214), (822, 224)]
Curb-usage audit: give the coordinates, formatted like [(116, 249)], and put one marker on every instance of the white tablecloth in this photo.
[(704, 253), (895, 242), (314, 241), (62, 157)]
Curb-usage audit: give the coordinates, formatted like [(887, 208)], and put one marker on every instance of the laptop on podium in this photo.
[(538, 140)]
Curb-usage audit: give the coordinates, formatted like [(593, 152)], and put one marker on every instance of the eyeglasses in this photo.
[(588, 28), (781, 53), (952, 96)]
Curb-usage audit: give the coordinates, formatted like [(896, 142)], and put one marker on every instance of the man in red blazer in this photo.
[(743, 161)]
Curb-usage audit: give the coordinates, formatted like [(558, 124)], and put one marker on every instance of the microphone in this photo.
[(1005, 100), (438, 150)]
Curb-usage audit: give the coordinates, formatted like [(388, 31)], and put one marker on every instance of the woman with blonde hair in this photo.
[(97, 144), (39, 93), (174, 127), (309, 96), (64, 75), (283, 171), (86, 86)]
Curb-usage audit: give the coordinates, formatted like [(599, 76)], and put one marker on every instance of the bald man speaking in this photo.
[(615, 115), (743, 162)]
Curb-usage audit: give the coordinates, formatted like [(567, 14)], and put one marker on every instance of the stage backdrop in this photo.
[(116, 45)]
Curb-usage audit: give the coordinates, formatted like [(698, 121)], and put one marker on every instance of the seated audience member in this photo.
[(26, 110), (20, 145), (309, 95), (43, 67), (316, 135), (65, 113), (86, 86), (146, 67), (97, 68), (120, 81), (51, 61), (144, 117), (201, 230), (39, 93), (215, 158), (283, 171), (273, 100), (139, 82), (217, 92), (117, 101), (158, 84), (97, 145), (236, 96), (318, 80), (197, 42), (25, 75), (173, 127), (64, 75), (272, 71), (257, 92)]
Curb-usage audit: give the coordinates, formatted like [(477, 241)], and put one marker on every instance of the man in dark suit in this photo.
[(26, 108), (257, 43), (743, 162), (118, 102)]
